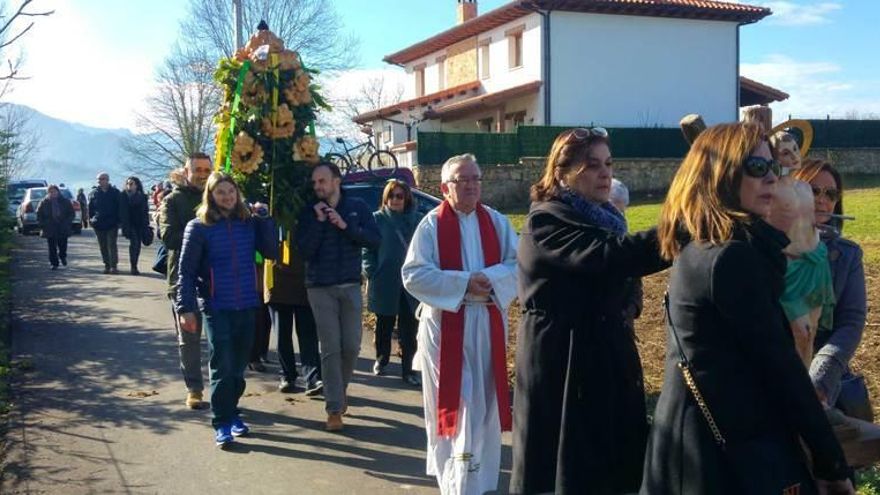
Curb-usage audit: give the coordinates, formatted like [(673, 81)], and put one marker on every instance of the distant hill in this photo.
[(72, 153)]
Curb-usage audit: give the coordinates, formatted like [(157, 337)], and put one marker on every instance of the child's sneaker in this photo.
[(239, 429), (223, 438)]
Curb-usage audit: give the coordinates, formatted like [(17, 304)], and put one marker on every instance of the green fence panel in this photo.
[(846, 133), (626, 142)]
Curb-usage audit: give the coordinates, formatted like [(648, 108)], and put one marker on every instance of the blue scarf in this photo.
[(603, 215)]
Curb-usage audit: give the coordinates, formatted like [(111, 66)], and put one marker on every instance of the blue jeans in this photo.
[(283, 317), (230, 337)]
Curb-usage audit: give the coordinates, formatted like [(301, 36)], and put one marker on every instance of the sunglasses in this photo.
[(833, 195), (581, 134), (396, 196), (758, 167)]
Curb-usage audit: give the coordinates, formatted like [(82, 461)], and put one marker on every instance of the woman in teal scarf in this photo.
[(397, 219)]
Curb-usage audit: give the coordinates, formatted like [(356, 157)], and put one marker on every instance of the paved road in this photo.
[(102, 409)]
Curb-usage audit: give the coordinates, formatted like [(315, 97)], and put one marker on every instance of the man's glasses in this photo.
[(833, 195), (581, 134), (466, 180), (758, 167)]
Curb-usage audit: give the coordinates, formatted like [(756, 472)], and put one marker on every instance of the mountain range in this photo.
[(72, 153)]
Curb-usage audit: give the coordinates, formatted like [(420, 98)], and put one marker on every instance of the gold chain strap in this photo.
[(704, 408)]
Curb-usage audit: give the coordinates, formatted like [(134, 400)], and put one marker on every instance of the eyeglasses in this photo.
[(758, 167), (466, 180), (396, 196), (833, 195), (581, 134), (103, 179)]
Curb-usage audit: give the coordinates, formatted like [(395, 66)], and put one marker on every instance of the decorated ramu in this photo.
[(265, 125)]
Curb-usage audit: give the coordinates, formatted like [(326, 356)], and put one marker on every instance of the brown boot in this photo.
[(334, 422), (194, 400)]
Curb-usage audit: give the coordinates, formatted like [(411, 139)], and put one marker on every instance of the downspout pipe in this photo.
[(545, 55)]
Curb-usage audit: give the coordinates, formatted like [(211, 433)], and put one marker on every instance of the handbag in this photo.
[(147, 236), (161, 263), (758, 465), (853, 399)]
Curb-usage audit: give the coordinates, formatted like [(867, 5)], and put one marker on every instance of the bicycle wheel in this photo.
[(340, 161), (382, 159)]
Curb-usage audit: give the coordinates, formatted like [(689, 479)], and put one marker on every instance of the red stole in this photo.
[(452, 324)]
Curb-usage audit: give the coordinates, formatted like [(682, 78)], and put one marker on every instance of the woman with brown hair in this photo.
[(835, 346), (218, 283), (397, 219), (736, 400), (580, 423)]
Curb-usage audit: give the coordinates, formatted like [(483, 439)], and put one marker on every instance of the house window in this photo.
[(484, 60), (485, 125), (516, 119), (441, 73), (420, 80), (515, 47), (386, 134)]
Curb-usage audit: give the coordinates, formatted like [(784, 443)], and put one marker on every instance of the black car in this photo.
[(371, 193)]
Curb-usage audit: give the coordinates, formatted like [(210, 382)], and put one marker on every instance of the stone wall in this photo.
[(507, 186)]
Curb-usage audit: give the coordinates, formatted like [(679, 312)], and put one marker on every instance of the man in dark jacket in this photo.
[(55, 214), (176, 210), (104, 204), (331, 234)]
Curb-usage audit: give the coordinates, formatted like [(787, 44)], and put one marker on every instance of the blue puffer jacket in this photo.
[(333, 256), (217, 264)]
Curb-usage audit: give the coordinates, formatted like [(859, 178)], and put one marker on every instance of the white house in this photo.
[(615, 63)]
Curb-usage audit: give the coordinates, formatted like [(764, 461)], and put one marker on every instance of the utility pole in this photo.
[(239, 34)]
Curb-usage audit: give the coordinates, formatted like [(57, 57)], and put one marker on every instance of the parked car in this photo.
[(15, 192), (27, 210), (369, 186)]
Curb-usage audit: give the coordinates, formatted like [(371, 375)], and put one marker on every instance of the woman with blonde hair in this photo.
[(580, 424), (397, 219), (736, 400), (217, 277)]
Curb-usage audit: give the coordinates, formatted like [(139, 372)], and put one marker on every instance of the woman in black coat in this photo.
[(55, 215), (579, 409), (726, 326), (135, 217)]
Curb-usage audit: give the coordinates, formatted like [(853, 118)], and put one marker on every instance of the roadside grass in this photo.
[(6, 365)]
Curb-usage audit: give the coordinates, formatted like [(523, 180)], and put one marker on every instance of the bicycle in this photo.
[(367, 160)]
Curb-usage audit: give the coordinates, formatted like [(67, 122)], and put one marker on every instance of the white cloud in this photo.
[(815, 89), (77, 75), (787, 13)]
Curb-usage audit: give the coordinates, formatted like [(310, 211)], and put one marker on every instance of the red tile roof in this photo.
[(752, 92), (687, 9), (484, 101), (422, 101)]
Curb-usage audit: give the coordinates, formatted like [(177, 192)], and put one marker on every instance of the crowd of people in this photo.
[(740, 410)]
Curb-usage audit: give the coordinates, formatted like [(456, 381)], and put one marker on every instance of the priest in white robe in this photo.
[(461, 265)]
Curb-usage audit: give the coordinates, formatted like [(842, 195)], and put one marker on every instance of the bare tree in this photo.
[(311, 27), (10, 32), (178, 120), (19, 141), (374, 93)]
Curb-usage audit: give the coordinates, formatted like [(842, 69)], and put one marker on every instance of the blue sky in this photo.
[(93, 61)]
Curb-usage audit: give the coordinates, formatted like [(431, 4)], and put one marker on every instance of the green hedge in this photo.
[(626, 142)]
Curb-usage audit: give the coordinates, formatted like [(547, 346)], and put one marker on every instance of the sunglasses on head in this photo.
[(833, 195), (758, 167), (581, 134)]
